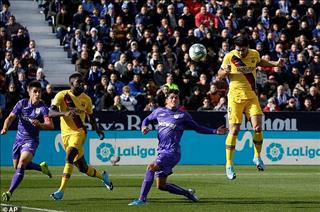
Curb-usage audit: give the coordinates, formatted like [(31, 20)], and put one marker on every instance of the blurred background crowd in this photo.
[(132, 52)]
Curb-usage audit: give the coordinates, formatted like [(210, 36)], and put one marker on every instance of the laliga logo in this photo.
[(275, 152), (104, 152)]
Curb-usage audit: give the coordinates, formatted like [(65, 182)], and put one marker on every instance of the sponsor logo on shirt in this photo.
[(37, 111), (166, 124), (176, 116)]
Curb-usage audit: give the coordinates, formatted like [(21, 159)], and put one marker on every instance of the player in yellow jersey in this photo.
[(239, 66), (72, 106)]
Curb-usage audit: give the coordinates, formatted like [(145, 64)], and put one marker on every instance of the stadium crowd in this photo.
[(131, 53)]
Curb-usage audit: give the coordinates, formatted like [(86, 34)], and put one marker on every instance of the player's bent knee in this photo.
[(257, 129), (161, 187), (83, 169), (82, 165), (71, 154)]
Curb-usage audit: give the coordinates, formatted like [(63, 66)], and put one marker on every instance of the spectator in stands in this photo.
[(41, 78), (127, 99), (75, 45), (195, 100), (100, 55), (222, 105), (316, 82), (307, 105), (271, 106), (7, 63), (92, 38), (203, 17), (29, 64), (107, 99), (293, 76), (118, 85), (213, 95), (121, 65), (94, 74), (63, 21), (12, 96), (22, 83), (291, 105), (12, 73), (83, 63), (34, 52), (117, 106), (48, 94), (315, 64), (281, 97), (20, 42), (314, 97), (297, 97), (159, 75), (302, 86), (78, 18), (151, 106), (170, 83), (203, 84), (12, 26), (5, 15), (206, 106)]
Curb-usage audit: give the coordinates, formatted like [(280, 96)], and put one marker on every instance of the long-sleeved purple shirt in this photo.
[(171, 124), (25, 111)]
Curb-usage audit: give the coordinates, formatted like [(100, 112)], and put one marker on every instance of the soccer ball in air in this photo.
[(197, 52)]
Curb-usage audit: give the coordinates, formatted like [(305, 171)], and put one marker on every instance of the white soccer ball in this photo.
[(197, 52)]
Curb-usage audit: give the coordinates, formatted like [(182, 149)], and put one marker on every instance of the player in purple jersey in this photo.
[(33, 116), (171, 124)]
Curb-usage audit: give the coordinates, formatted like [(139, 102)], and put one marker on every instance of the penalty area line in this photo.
[(30, 208)]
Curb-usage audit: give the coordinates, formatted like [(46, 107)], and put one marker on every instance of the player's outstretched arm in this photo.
[(95, 126), (54, 112), (47, 124), (264, 63), (221, 130), (145, 129), (7, 123)]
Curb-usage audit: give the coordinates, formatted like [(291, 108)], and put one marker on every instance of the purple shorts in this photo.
[(20, 146), (166, 162)]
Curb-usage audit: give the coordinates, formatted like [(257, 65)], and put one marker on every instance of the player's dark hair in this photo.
[(241, 41), (74, 76), (34, 84), (174, 91)]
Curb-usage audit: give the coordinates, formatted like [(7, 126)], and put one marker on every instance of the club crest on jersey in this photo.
[(37, 111), (176, 116)]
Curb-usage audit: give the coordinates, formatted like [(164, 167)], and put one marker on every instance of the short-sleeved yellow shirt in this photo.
[(243, 73), (83, 106)]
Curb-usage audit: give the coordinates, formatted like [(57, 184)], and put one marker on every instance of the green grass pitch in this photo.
[(279, 188)]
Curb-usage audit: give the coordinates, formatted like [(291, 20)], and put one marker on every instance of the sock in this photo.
[(92, 172), (33, 166), (146, 185), (67, 171), (16, 179), (174, 189), (257, 140), (230, 146)]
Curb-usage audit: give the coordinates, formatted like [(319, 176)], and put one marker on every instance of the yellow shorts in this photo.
[(74, 140), (236, 107)]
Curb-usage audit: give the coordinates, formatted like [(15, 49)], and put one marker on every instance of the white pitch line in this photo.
[(190, 174), (29, 208)]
